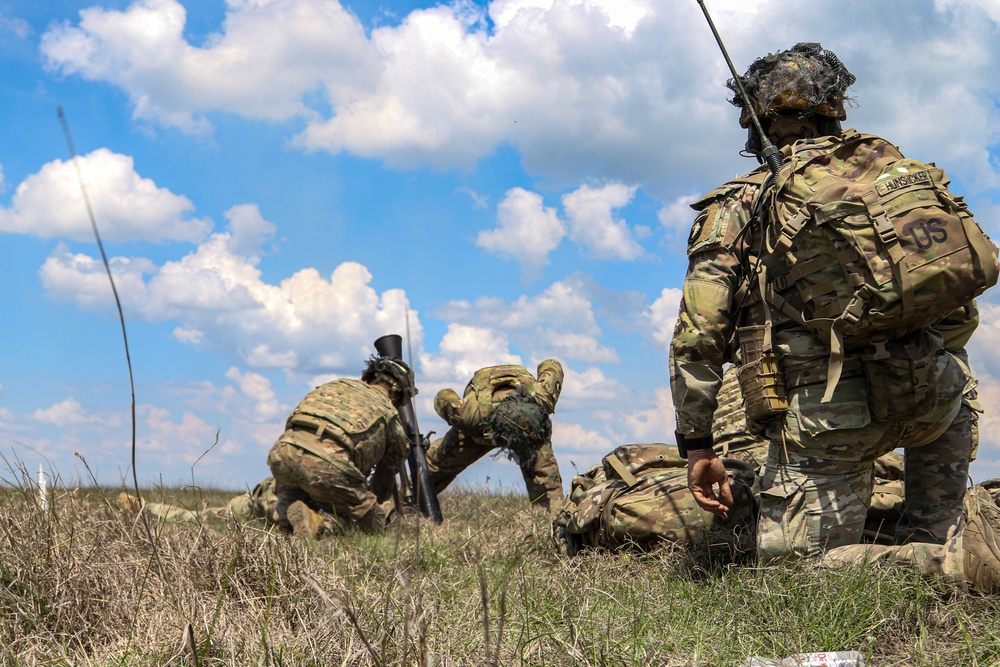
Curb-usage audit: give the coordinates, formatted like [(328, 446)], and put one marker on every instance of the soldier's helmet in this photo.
[(394, 373), (803, 80), (519, 426)]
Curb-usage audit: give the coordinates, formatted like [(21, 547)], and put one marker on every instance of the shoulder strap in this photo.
[(755, 177)]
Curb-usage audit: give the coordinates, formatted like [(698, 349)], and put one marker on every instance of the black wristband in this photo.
[(687, 443)]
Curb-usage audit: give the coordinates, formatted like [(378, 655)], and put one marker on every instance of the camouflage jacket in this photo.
[(490, 385), (359, 418), (700, 346)]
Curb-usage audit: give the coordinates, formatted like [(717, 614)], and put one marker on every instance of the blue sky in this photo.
[(279, 182)]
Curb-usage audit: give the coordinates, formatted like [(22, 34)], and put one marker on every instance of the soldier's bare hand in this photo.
[(705, 470)]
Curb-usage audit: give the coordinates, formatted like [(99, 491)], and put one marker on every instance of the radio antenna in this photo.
[(769, 152)]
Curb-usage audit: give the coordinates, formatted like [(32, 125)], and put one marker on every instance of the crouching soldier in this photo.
[(503, 407), (341, 434)]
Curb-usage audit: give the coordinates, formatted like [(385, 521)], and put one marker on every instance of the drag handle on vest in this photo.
[(769, 152), (419, 482)]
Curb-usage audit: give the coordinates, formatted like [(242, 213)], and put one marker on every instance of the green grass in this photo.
[(86, 583)]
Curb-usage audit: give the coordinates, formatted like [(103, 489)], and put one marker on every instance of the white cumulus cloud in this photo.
[(268, 55), (68, 412), (258, 389), (306, 323), (526, 230), (560, 322), (127, 207), (662, 316), (624, 90), (592, 224), (465, 349), (578, 446)]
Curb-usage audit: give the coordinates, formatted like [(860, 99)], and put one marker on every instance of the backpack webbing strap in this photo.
[(775, 299), (822, 288), (836, 366), (789, 230), (833, 327), (801, 269), (621, 469), (766, 345), (890, 241), (851, 315)]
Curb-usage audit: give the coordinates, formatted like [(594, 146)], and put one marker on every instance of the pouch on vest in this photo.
[(902, 376), (760, 375)]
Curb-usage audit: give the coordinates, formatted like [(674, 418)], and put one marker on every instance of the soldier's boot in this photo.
[(981, 541), (374, 520), (129, 502), (392, 515), (305, 521)]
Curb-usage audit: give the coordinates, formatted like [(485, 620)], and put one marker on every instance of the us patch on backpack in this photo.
[(871, 246)]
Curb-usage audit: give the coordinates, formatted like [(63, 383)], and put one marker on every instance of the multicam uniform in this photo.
[(817, 483), (468, 439), (258, 503), (333, 440)]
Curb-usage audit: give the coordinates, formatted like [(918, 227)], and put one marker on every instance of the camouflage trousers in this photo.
[(447, 457), (332, 485), (943, 562), (260, 503), (812, 501)]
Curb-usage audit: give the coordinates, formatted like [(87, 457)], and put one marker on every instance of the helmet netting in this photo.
[(519, 426), (805, 78), (393, 372)]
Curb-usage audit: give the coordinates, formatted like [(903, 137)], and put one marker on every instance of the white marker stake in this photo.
[(43, 491)]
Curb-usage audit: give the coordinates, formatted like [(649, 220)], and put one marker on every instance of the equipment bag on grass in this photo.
[(638, 498)]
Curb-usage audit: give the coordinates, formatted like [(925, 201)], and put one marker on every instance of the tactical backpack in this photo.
[(871, 247), (638, 498)]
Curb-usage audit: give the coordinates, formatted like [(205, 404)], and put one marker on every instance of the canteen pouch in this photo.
[(760, 378)]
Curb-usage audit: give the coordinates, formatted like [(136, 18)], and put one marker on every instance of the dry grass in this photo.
[(86, 583)]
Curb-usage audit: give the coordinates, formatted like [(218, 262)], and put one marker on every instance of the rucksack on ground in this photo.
[(638, 499)]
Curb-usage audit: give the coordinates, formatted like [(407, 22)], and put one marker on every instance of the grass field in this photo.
[(87, 583)]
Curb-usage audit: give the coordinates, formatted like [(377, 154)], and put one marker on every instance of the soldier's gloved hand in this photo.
[(446, 404), (705, 470)]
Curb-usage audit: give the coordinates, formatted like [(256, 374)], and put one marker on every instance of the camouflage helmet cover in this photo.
[(519, 426), (805, 78), (393, 372)]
